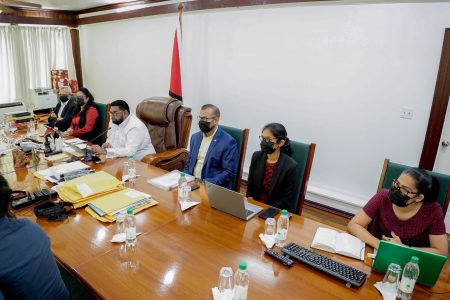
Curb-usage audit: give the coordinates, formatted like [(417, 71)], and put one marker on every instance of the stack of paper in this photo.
[(53, 174), (82, 190), (105, 208), (169, 181)]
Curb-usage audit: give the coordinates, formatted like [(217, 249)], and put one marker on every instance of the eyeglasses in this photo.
[(267, 140), (115, 113), (402, 189), (205, 118)]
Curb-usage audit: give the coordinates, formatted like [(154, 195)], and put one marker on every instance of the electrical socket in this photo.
[(406, 113)]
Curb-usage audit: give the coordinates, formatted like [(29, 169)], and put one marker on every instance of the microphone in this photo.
[(88, 154)]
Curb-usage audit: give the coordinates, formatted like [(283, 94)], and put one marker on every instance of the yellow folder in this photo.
[(118, 200), (85, 189)]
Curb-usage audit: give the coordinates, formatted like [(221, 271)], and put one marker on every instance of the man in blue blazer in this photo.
[(213, 152), (64, 111)]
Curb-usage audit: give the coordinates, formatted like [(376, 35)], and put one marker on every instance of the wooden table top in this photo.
[(179, 254)]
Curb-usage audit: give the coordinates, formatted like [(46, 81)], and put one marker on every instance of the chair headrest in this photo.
[(158, 111)]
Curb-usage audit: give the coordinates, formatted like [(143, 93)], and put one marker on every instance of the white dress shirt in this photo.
[(131, 137)]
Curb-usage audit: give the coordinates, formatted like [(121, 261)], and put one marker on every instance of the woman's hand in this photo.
[(394, 239)]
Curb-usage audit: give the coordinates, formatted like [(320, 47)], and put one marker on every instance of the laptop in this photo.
[(231, 202), (430, 264)]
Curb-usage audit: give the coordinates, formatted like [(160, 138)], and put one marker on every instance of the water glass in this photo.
[(270, 227), (226, 283), (392, 278)]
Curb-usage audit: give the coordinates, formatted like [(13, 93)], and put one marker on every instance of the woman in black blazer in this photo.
[(273, 173)]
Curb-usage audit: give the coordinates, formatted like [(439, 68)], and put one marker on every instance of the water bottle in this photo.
[(409, 277), (131, 169), (282, 228), (182, 188), (130, 228), (241, 282), (31, 128), (120, 223)]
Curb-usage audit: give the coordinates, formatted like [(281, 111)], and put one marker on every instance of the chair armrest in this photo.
[(155, 159)]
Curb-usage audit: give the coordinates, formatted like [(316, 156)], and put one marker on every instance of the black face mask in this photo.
[(80, 101), (398, 198), (267, 147), (64, 98), (205, 126)]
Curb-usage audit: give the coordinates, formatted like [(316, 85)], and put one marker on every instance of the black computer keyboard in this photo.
[(339, 270)]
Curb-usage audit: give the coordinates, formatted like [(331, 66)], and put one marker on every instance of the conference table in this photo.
[(179, 253)]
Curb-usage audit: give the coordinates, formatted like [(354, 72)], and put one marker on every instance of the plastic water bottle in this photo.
[(182, 188), (131, 169), (130, 228), (120, 223), (282, 228), (241, 282), (31, 128), (409, 277)]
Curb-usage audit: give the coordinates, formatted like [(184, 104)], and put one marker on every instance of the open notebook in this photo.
[(341, 243)]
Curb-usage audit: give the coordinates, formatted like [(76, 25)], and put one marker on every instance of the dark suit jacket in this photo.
[(67, 115), (221, 159), (284, 178)]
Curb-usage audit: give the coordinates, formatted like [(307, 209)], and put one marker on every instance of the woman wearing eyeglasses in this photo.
[(273, 173), (408, 214)]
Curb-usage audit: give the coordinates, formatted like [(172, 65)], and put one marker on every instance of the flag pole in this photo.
[(180, 14)]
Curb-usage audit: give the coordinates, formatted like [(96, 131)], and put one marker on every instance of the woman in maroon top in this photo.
[(85, 116), (273, 173), (406, 214)]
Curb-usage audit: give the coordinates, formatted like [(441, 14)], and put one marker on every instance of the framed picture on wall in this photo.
[(59, 79)]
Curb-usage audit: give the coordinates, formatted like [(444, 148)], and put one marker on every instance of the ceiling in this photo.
[(74, 4)]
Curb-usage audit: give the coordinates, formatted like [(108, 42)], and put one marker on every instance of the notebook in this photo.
[(169, 181), (338, 242), (430, 264)]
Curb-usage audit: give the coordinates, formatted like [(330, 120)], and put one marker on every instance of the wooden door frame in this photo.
[(438, 108)]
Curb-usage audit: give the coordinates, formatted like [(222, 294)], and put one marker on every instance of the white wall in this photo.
[(336, 75)]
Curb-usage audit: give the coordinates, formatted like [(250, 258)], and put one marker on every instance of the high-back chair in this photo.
[(241, 137), (169, 125), (393, 170), (304, 156), (102, 123)]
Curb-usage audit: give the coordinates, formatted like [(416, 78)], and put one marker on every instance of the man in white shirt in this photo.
[(127, 135)]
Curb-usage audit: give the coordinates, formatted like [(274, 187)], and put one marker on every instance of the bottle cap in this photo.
[(284, 212), (130, 211), (243, 266), (182, 174), (414, 259), (131, 157)]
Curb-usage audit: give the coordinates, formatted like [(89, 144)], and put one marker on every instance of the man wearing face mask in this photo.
[(127, 135), (272, 176), (213, 152), (62, 115)]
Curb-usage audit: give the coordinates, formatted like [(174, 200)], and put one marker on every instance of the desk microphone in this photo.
[(88, 155)]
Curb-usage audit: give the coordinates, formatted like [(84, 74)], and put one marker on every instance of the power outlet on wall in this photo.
[(406, 113)]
